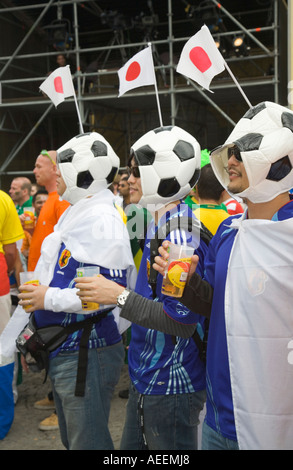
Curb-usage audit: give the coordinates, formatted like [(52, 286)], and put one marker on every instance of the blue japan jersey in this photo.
[(159, 364), (220, 414), (103, 333)]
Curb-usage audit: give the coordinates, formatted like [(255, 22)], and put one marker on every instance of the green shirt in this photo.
[(28, 203)]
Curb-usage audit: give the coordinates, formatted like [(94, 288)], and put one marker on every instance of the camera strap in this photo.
[(52, 343)]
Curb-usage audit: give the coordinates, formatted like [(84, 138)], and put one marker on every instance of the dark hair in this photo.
[(208, 186), (40, 191)]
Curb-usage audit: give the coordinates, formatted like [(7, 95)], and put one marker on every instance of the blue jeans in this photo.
[(212, 440), (83, 421), (170, 422)]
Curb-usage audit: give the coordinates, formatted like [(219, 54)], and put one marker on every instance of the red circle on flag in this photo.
[(200, 59), (133, 71), (58, 85)]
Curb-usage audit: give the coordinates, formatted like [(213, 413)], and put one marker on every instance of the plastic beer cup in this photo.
[(28, 277), (29, 221), (88, 271), (177, 270)]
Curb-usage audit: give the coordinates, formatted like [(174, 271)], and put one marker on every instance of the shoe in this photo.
[(124, 393), (50, 423), (45, 404)]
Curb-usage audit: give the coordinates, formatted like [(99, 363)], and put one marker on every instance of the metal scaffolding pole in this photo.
[(26, 37), (79, 101), (246, 31), (171, 64), (23, 142), (85, 101)]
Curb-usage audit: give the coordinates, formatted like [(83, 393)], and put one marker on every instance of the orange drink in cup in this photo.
[(29, 221), (177, 270)]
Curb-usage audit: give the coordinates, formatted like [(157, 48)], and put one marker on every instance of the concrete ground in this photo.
[(24, 433)]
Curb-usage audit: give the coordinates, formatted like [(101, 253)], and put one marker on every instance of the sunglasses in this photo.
[(234, 151), (133, 170), (46, 154)]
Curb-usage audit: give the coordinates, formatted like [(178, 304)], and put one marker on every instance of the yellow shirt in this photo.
[(10, 226), (211, 216)]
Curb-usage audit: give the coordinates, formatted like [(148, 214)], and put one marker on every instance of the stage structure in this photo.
[(97, 41)]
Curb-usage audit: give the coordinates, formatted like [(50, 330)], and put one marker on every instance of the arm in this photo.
[(49, 298), (198, 296), (137, 309), (150, 314), (10, 255)]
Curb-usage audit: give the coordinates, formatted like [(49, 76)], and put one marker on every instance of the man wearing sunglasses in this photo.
[(167, 375), (248, 274), (53, 208)]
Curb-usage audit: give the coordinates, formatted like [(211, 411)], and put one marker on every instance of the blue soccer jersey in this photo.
[(103, 333), (160, 364), (220, 413)]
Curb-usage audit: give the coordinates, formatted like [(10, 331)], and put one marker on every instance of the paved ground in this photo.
[(24, 433)]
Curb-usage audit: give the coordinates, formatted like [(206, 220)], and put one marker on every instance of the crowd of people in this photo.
[(222, 345)]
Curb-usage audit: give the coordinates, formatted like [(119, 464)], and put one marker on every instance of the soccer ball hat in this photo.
[(87, 164), (264, 139), (169, 162)]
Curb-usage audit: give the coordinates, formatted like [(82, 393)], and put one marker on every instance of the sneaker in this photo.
[(50, 423), (45, 404)]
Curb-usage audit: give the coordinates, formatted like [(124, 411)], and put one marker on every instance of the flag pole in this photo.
[(237, 84), (157, 94), (158, 103), (78, 114)]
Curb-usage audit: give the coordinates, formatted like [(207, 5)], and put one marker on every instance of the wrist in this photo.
[(121, 297)]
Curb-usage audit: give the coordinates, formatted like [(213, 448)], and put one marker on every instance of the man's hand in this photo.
[(32, 297), (98, 289), (161, 262)]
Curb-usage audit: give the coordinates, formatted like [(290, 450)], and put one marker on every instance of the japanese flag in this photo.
[(138, 71), (58, 85), (200, 59)]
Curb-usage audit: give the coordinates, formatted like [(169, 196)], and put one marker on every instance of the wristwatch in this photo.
[(121, 299)]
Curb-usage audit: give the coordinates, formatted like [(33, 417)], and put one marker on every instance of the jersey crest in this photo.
[(64, 258)]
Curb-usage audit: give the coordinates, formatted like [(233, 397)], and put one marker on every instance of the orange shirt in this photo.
[(50, 213)]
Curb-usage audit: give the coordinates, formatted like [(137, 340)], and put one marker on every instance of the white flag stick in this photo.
[(237, 84), (78, 114), (158, 104), (157, 95)]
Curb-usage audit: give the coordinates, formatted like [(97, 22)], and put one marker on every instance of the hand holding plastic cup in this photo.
[(28, 277), (177, 270), (88, 271)]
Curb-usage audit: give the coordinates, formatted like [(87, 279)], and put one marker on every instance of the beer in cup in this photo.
[(29, 221), (28, 277), (177, 270), (88, 271)]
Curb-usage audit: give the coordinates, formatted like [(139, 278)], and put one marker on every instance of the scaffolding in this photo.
[(97, 89)]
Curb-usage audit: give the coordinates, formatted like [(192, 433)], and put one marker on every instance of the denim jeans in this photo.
[(83, 421), (170, 422), (212, 440)]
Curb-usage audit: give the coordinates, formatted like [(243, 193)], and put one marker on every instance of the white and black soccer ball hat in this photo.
[(87, 164), (169, 163), (264, 137)]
